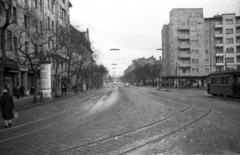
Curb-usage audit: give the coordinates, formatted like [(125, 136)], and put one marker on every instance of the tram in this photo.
[(224, 83)]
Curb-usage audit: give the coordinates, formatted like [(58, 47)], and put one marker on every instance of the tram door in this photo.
[(238, 85), (235, 86)]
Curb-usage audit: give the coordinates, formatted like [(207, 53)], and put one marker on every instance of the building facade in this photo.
[(222, 33), (50, 13), (194, 46)]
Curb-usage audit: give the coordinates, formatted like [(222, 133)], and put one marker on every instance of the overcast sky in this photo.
[(134, 26)]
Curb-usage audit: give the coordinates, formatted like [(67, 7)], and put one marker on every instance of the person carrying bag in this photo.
[(7, 106)]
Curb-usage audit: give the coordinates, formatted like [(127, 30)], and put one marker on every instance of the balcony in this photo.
[(219, 44), (184, 46), (219, 64), (183, 28), (183, 37), (184, 65), (182, 56), (219, 54), (218, 35), (218, 25)]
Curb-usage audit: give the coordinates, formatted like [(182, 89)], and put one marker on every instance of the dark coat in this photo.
[(7, 106)]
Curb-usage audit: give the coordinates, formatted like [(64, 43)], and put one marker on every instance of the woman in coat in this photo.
[(7, 108)]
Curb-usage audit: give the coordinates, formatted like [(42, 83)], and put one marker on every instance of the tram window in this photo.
[(228, 80), (222, 80)]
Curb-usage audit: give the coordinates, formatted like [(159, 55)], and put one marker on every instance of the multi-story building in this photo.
[(194, 46), (183, 52), (222, 33), (52, 13)]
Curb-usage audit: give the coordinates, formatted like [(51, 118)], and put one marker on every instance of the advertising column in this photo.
[(45, 79)]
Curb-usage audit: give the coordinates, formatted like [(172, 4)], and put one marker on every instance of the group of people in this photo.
[(7, 107), (19, 91)]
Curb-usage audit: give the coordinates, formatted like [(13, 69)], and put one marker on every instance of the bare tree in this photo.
[(36, 42)]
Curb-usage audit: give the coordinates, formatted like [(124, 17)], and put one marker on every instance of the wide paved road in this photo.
[(127, 120)]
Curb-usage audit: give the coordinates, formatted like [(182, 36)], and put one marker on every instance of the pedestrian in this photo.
[(22, 89), (18, 92), (7, 106), (64, 89), (6, 87)]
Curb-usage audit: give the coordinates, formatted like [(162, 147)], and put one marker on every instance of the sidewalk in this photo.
[(27, 101)]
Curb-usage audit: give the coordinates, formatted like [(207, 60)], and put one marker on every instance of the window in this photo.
[(41, 26), (229, 40), (15, 15), (207, 70), (195, 61), (26, 2), (183, 23), (219, 50), (53, 25), (52, 6), (199, 15), (229, 21), (237, 20), (206, 42), (53, 63), (1, 8), (219, 69), (206, 33), (194, 23), (238, 58), (35, 25), (194, 42), (207, 61), (48, 22), (230, 50), (199, 25), (9, 40), (193, 33), (229, 60), (48, 3), (219, 59), (26, 47), (35, 3), (238, 49), (229, 31), (186, 61), (15, 44), (238, 40), (41, 5), (195, 51), (206, 52), (25, 21), (195, 70)]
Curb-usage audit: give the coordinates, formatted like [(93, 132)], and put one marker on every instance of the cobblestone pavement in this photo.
[(115, 120)]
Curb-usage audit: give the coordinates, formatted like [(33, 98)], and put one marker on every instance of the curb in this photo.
[(43, 102)]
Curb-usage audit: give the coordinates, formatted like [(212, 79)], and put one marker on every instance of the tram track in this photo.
[(73, 107), (160, 138), (124, 134)]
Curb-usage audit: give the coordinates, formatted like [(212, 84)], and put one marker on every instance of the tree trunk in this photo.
[(35, 97), (56, 88)]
